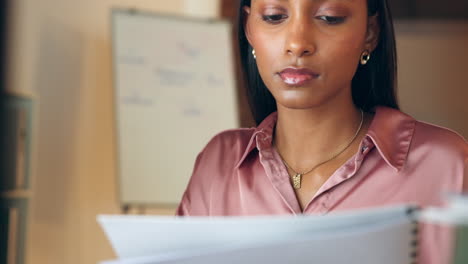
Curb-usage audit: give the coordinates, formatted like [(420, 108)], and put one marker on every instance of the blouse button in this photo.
[(363, 149)]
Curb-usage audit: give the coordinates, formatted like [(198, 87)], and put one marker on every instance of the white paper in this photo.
[(384, 244), (363, 236)]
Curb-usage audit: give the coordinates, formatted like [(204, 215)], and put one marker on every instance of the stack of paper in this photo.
[(384, 236)]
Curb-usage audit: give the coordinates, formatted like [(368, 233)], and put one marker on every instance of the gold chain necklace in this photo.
[(297, 177)]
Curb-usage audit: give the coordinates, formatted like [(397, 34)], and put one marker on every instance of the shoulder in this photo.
[(400, 135), (228, 146), (237, 139), (224, 150), (448, 152), (440, 151), (213, 164), (440, 139)]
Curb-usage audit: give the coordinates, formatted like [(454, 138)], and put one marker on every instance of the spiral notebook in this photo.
[(383, 235)]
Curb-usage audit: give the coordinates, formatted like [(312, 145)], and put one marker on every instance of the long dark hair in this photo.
[(373, 85)]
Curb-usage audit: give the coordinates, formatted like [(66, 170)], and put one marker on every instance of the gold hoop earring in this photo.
[(254, 54), (365, 57)]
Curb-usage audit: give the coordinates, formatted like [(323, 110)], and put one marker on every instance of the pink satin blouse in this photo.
[(400, 160)]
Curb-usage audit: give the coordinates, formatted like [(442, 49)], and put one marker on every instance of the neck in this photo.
[(309, 136)]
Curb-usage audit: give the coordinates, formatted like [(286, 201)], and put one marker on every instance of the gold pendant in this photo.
[(297, 181)]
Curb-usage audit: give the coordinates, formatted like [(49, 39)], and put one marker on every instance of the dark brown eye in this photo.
[(332, 20), (274, 19)]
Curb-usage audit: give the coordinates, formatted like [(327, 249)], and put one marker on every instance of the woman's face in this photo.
[(308, 50)]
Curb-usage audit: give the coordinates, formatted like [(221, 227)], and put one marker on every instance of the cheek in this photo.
[(343, 53), (268, 48)]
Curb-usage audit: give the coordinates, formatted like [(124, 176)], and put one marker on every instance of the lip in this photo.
[(297, 76)]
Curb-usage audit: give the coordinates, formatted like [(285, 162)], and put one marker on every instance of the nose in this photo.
[(300, 40)]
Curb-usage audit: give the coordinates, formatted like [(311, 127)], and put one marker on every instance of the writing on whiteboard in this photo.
[(214, 81), (191, 111), (185, 49), (132, 60), (169, 77), (136, 99)]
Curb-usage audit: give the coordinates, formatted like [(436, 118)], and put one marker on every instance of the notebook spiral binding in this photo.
[(414, 246)]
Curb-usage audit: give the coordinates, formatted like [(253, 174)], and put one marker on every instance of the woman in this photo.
[(321, 79)]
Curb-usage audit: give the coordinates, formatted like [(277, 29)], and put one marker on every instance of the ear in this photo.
[(246, 11), (373, 33)]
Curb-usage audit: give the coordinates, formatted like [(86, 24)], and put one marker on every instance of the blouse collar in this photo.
[(391, 131)]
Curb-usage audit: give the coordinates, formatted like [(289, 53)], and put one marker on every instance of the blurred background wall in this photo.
[(60, 53), (433, 66)]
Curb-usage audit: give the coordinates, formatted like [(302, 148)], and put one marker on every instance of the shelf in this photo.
[(16, 194), (20, 93)]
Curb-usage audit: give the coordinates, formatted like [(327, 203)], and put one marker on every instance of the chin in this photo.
[(308, 97), (299, 103), (298, 98)]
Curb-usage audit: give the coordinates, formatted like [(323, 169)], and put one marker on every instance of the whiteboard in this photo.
[(174, 90)]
